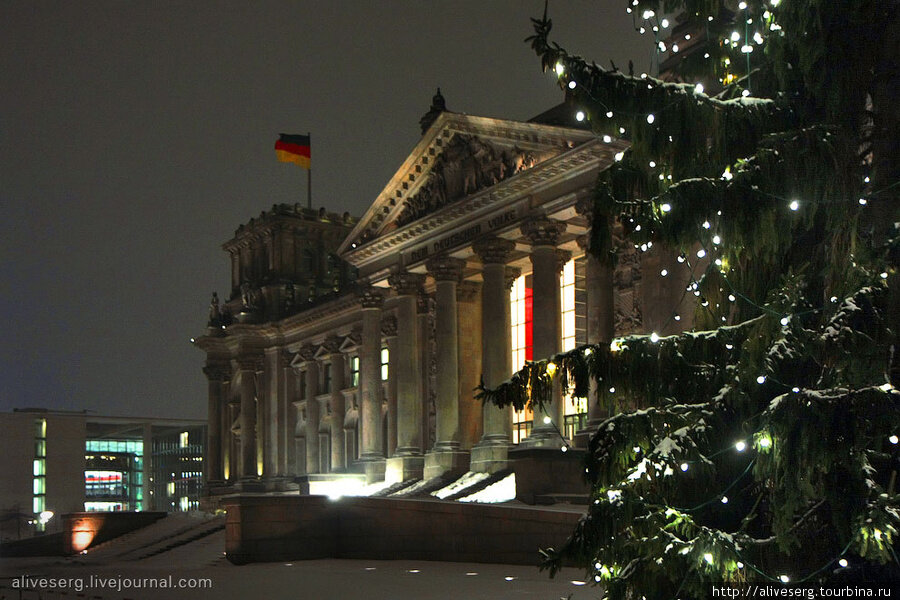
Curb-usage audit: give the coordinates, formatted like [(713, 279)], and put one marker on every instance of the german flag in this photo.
[(293, 148)]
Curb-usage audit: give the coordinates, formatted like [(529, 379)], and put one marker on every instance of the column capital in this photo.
[(446, 268), (406, 283), (585, 207), (249, 363), (493, 250), (584, 242), (510, 276), (562, 257), (389, 326), (542, 231), (370, 297), (217, 371)]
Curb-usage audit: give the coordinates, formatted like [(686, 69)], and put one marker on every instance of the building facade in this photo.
[(470, 261)]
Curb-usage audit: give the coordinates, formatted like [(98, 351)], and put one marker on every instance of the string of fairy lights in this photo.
[(762, 441)]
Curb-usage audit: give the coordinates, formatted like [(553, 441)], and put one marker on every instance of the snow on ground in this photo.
[(500, 491), (467, 480)]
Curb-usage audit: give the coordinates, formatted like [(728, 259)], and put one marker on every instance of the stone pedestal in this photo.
[(542, 473), (403, 468), (490, 457), (374, 468), (445, 460)]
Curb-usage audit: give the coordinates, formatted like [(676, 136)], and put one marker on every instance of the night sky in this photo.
[(136, 137)]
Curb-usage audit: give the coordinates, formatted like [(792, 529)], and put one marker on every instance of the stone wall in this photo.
[(261, 529)]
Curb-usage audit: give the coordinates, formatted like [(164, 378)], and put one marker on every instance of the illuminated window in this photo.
[(520, 305), (385, 357), (354, 371), (39, 467), (183, 439)]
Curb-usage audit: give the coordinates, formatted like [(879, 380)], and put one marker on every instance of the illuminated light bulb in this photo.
[(757, 38), (579, 116), (609, 114), (706, 55), (564, 448), (740, 565), (731, 297), (643, 247), (648, 14), (697, 293), (794, 205), (615, 346), (665, 207), (619, 156), (509, 578), (866, 180), (642, 30), (862, 201), (886, 387), (894, 439), (596, 578), (745, 93), (708, 558), (785, 320), (621, 130), (784, 578), (746, 48), (701, 253), (652, 164), (698, 89), (740, 446), (551, 368), (661, 46), (560, 69), (761, 379), (765, 441), (684, 466), (665, 23), (192, 340), (704, 303), (661, 178), (726, 174), (612, 390), (664, 272), (716, 240), (843, 562), (883, 275), (650, 118), (724, 499), (677, 317), (636, 449), (572, 85), (638, 228), (654, 337), (628, 10), (706, 225), (709, 18), (680, 258), (588, 351), (547, 420), (674, 48), (834, 299), (607, 139), (735, 36), (742, 5), (766, 14), (795, 389)]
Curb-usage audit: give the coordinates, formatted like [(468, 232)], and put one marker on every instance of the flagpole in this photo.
[(309, 175)]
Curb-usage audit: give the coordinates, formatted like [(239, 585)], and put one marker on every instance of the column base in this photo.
[(374, 469), (490, 455), (250, 484), (403, 468), (444, 460), (543, 436), (547, 472), (584, 435), (280, 483)]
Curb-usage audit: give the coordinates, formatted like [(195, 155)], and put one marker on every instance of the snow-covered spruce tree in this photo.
[(761, 446)]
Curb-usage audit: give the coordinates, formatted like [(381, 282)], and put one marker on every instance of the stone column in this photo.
[(216, 374), (543, 234), (600, 326), (407, 462), (371, 453), (247, 368), (446, 456), (490, 454), (338, 462), (232, 448), (308, 353), (273, 419), (424, 357), (286, 435), (389, 332)]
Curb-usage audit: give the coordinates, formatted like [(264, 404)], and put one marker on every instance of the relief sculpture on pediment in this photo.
[(466, 166)]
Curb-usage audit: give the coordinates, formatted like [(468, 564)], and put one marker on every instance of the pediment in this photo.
[(459, 156)]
